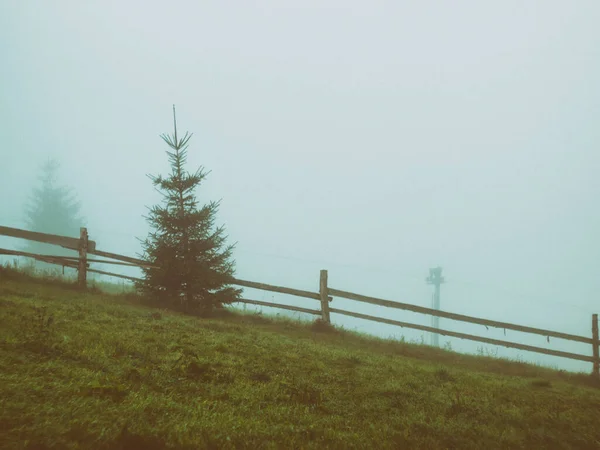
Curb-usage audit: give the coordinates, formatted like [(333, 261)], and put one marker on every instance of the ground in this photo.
[(93, 370)]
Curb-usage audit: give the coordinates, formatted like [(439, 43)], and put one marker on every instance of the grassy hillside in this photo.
[(94, 371)]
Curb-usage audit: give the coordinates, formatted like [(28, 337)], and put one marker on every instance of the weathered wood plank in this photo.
[(465, 336), (282, 290), (5, 251), (453, 316), (280, 306), (72, 259), (59, 260), (134, 261), (103, 261), (64, 261), (82, 262), (324, 297), (595, 346), (63, 241), (117, 275)]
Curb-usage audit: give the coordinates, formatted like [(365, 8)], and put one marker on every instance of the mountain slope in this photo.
[(92, 370)]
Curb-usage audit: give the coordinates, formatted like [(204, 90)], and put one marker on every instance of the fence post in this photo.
[(595, 344), (324, 291), (82, 267)]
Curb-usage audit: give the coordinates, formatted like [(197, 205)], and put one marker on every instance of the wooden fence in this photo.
[(325, 296)]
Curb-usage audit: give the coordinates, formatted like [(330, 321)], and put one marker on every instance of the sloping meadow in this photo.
[(94, 371)]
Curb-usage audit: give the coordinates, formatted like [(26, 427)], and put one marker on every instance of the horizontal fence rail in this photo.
[(459, 317), (280, 289), (127, 259), (465, 336), (325, 296), (50, 259), (62, 241), (73, 259), (117, 275), (280, 306)]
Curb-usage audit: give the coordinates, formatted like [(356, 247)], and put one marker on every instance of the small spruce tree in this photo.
[(192, 265), (53, 209)]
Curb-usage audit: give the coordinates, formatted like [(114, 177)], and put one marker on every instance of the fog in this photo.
[(371, 139)]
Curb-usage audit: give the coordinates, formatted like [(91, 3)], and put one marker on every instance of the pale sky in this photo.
[(372, 139)]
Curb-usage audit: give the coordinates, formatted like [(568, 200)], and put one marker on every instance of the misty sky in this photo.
[(372, 139)]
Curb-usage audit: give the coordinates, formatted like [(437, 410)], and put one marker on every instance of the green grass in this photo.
[(92, 370)]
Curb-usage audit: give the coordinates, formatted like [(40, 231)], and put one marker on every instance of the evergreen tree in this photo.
[(192, 264), (53, 209)]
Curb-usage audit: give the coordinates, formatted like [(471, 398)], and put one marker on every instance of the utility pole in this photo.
[(435, 278)]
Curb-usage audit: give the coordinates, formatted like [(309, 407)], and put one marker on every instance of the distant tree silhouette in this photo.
[(193, 265), (54, 209)]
